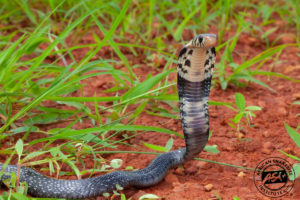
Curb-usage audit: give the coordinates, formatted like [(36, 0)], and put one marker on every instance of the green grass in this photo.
[(295, 136), (39, 64)]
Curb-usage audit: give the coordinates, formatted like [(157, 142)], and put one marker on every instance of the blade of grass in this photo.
[(111, 127), (178, 32), (58, 82)]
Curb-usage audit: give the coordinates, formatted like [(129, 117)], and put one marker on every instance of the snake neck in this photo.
[(195, 68)]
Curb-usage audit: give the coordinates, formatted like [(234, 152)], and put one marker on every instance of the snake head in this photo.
[(206, 41)]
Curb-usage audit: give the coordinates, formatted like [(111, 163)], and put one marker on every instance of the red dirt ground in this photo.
[(268, 136)]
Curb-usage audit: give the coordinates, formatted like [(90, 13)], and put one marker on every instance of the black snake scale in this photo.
[(195, 67)]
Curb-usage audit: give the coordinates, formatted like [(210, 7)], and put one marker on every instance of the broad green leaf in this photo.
[(224, 84), (237, 118), (12, 181), (129, 168), (148, 197), (212, 149), (19, 147), (123, 197), (240, 101), (296, 168), (293, 134), (253, 108), (169, 145), (116, 163), (232, 125), (155, 147), (22, 189), (19, 196), (106, 194), (296, 102), (119, 187)]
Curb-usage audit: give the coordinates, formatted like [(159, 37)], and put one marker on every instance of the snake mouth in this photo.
[(206, 41)]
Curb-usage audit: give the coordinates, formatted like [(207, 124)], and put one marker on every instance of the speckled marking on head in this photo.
[(196, 59)]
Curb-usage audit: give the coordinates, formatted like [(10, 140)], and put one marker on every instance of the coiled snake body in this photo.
[(195, 66)]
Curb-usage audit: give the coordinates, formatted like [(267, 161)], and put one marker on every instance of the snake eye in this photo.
[(200, 39)]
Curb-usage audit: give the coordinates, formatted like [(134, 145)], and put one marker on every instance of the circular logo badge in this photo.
[(271, 177)]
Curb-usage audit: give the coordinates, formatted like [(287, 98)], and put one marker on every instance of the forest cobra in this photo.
[(195, 68)]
